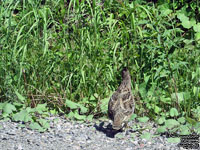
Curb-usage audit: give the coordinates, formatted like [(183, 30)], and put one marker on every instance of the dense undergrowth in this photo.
[(69, 55)]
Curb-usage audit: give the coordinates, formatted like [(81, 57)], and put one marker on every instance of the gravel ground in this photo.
[(70, 135)]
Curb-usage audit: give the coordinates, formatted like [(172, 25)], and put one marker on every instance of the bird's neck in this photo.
[(127, 83)]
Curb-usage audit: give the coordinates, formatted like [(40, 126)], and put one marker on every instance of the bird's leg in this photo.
[(126, 127)]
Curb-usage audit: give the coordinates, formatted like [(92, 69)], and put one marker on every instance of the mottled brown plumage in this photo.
[(121, 104)]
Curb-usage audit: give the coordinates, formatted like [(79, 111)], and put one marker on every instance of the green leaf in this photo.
[(142, 89), (2, 105), (161, 129), (196, 27), (73, 105), (83, 109), (146, 78), (191, 121), (20, 97), (104, 105), (161, 120), (79, 117), (179, 95), (166, 100), (181, 120), (70, 115), (8, 108), (36, 126), (41, 108), (185, 21), (166, 12), (44, 123), (23, 115), (53, 111), (146, 136), (173, 112), (133, 116), (171, 123), (90, 117), (197, 130), (70, 104), (182, 17), (143, 119), (197, 36), (184, 130), (92, 98), (96, 95), (174, 140), (186, 24), (157, 109)]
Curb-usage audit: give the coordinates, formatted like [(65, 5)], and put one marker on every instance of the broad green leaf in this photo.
[(8, 108), (142, 89), (197, 128), (179, 95), (83, 109), (18, 105), (161, 120), (79, 117), (181, 120), (36, 126), (196, 27), (184, 130), (146, 136), (45, 124), (182, 17), (165, 100), (71, 104), (166, 12), (92, 98), (23, 115), (173, 112), (70, 115), (21, 125), (174, 140), (53, 111), (2, 105), (191, 120), (104, 105), (143, 119), (30, 110), (171, 123), (90, 117), (41, 108), (197, 36), (146, 78), (187, 95), (96, 95), (193, 22), (133, 116), (20, 97), (157, 109), (74, 105), (161, 129), (195, 90), (186, 24)]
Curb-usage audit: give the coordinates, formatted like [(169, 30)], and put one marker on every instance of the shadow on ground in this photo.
[(107, 130)]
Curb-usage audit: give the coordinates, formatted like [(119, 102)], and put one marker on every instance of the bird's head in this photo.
[(125, 73)]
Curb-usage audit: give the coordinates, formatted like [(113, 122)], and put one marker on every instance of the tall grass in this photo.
[(53, 50)]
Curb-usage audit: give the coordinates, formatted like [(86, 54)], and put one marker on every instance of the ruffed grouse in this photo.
[(121, 104)]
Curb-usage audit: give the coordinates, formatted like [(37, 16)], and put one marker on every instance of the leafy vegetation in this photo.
[(68, 56)]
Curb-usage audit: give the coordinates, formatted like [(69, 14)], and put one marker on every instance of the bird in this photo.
[(122, 103)]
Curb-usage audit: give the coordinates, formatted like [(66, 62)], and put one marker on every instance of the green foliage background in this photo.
[(51, 51)]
